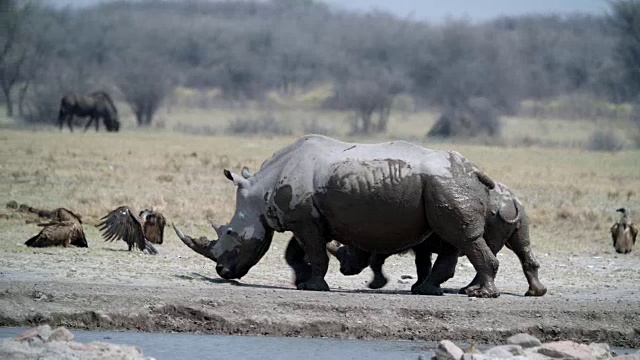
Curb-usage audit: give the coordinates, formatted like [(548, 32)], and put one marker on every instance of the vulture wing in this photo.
[(61, 233), (614, 233), (122, 224)]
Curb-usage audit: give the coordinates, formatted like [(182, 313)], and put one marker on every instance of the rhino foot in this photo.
[(483, 292), (427, 290), (314, 285), (536, 292), (379, 281)]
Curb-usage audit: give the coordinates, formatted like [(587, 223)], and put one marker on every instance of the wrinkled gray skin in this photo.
[(381, 198)]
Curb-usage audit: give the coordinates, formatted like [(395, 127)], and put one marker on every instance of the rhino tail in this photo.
[(485, 179)]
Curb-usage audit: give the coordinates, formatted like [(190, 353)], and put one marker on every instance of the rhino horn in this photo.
[(217, 228), (332, 248), (245, 172), (202, 245)]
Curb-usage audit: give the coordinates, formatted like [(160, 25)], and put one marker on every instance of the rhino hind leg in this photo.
[(519, 243), (486, 265), (295, 257)]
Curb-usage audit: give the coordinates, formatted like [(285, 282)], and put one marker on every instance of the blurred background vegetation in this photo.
[(305, 57)]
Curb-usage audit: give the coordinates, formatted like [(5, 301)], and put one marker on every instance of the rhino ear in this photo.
[(245, 172), (238, 180)]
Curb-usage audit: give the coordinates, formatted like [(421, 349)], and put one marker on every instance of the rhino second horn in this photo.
[(216, 227)]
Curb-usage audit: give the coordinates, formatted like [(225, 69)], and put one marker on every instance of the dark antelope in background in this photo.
[(97, 105)]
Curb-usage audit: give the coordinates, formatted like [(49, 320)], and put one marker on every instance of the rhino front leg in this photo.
[(376, 262), (294, 256), (486, 265), (314, 244)]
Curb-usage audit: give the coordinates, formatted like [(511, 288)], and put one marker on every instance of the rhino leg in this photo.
[(486, 265), (295, 257), (375, 263), (314, 245), (519, 243)]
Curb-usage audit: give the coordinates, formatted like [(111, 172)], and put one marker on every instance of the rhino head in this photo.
[(242, 242)]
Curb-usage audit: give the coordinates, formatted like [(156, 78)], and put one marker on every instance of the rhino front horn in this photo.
[(202, 245)]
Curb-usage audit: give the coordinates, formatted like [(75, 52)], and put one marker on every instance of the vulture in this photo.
[(63, 229), (623, 233), (139, 231)]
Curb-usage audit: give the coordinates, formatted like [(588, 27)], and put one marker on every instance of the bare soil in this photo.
[(590, 299)]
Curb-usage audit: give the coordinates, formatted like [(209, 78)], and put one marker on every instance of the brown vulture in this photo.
[(139, 231), (64, 229), (623, 233)]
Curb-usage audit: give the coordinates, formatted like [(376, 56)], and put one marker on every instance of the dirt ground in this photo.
[(590, 299)]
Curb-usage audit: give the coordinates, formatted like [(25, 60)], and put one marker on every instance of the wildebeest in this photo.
[(380, 198), (121, 223), (623, 233), (97, 105), (64, 229)]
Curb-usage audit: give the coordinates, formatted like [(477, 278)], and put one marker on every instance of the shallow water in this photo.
[(197, 346)]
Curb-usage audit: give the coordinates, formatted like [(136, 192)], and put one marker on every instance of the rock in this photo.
[(42, 343), (634, 356), (566, 349), (61, 334), (474, 356), (524, 340), (504, 351), (447, 350), (600, 351), (40, 333)]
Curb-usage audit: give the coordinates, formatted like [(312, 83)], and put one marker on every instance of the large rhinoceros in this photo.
[(381, 198)]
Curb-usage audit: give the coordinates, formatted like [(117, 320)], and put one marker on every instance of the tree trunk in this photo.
[(8, 101)]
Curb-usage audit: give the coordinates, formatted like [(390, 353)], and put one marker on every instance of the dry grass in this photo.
[(570, 194)]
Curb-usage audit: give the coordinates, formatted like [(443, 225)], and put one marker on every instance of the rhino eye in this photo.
[(229, 232)]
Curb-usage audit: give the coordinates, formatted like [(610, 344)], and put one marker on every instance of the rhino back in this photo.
[(369, 195)]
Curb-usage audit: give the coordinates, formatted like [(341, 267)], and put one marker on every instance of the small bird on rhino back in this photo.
[(64, 229), (623, 233), (137, 231)]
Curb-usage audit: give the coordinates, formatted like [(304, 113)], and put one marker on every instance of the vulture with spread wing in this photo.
[(623, 233), (140, 232), (64, 229)]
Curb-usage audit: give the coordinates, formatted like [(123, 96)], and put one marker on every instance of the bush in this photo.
[(314, 127), (601, 140), (478, 117), (264, 125)]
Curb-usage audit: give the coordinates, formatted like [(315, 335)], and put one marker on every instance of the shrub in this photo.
[(264, 125), (601, 140), (477, 117)]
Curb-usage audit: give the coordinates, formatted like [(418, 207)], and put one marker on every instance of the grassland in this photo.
[(569, 192), (570, 195)]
